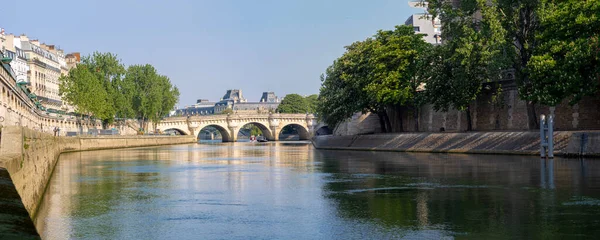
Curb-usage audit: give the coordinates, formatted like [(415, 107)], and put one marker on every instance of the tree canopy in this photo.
[(373, 74), (100, 86), (552, 46), (565, 65), (312, 101), (471, 56), (293, 103)]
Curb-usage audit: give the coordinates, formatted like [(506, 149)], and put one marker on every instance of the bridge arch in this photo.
[(266, 132), (181, 132), (303, 132), (323, 130), (225, 135)]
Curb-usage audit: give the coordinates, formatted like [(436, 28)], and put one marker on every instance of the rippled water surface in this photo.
[(292, 191)]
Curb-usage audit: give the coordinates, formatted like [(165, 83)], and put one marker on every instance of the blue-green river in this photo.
[(293, 191)]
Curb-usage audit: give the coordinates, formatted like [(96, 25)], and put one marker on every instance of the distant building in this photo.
[(234, 100), (72, 59), (269, 97), (425, 24)]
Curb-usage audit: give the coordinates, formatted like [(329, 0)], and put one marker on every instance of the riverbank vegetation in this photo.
[(295, 103), (101, 87), (553, 47)]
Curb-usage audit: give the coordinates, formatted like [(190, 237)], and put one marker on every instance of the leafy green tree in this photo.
[(565, 65), (343, 89), (147, 99), (109, 69), (84, 90), (312, 101), (335, 104), (254, 130), (293, 103), (521, 21), (400, 57), (470, 56)]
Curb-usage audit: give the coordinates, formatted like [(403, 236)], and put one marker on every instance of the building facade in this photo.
[(234, 100), (41, 66), (425, 24), (72, 59)]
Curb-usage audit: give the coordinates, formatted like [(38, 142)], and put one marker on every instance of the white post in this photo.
[(543, 143), (550, 136)]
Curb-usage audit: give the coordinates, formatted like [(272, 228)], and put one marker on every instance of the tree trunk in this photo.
[(416, 118), (400, 127), (388, 124), (531, 116), (381, 122), (469, 120)]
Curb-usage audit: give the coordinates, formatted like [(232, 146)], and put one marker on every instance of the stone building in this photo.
[(40, 65), (44, 71), (72, 59), (234, 100), (19, 64)]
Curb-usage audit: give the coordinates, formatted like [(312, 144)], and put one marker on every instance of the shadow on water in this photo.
[(475, 196)]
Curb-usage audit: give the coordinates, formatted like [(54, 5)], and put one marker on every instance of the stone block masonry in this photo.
[(505, 113), (29, 158), (567, 143)]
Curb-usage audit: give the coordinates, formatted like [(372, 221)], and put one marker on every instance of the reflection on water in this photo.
[(291, 191)]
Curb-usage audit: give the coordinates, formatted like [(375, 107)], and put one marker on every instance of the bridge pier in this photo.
[(274, 134), (233, 132)]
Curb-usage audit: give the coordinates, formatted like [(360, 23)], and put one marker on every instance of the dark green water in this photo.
[(292, 191)]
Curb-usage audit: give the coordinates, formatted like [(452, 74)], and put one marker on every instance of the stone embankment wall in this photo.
[(30, 156), (506, 113), (525, 143)]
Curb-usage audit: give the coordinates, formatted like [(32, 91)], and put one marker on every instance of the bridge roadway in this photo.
[(229, 125)]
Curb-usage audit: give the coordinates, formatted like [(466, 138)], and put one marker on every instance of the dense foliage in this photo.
[(379, 72), (101, 87), (293, 103), (471, 57), (552, 47), (565, 65)]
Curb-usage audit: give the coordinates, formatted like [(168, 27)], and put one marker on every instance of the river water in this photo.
[(293, 191)]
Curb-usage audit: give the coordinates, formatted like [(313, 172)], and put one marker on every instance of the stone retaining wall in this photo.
[(30, 156), (525, 143), (506, 113)]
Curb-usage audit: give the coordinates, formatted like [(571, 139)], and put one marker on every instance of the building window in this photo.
[(417, 29)]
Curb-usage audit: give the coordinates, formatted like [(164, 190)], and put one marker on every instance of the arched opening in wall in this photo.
[(214, 133), (256, 130), (324, 130), (293, 132), (174, 131)]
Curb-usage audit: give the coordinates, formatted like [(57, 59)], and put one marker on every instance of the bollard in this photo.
[(543, 136), (550, 136), (547, 136)]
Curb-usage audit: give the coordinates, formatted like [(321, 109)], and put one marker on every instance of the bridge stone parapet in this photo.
[(230, 125)]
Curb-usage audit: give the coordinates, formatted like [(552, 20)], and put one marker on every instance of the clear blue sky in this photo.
[(206, 47)]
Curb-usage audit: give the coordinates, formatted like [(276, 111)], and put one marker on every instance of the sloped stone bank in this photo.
[(524, 143)]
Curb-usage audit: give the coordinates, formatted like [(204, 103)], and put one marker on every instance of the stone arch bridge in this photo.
[(230, 125)]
